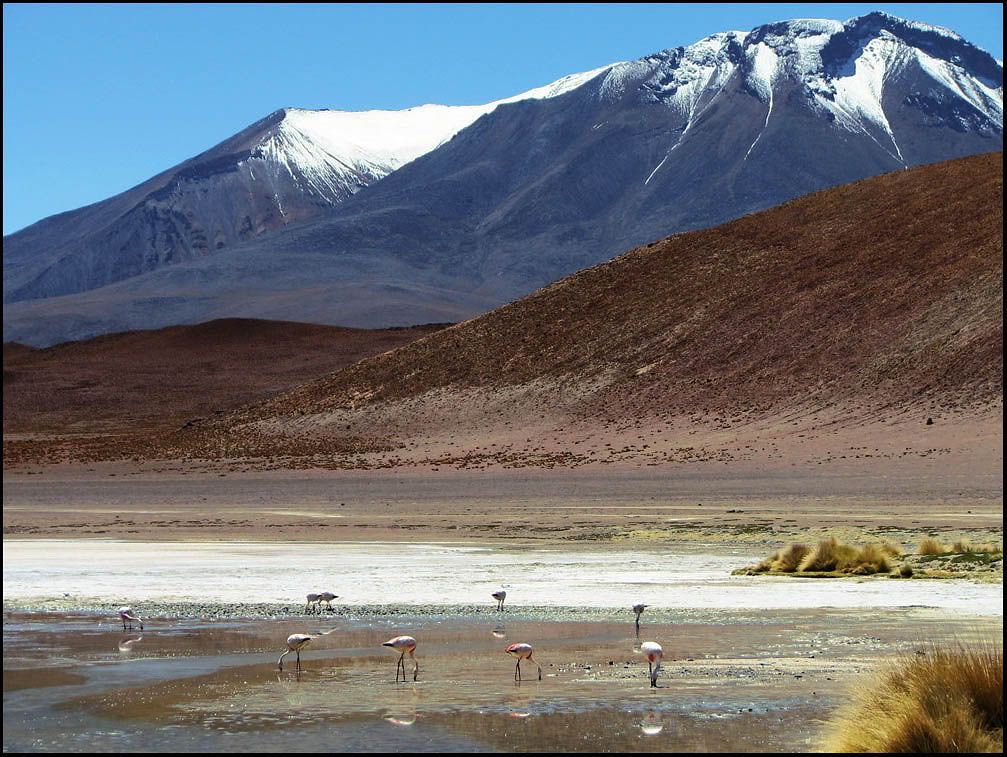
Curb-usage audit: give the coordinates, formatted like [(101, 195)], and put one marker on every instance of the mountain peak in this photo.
[(676, 140)]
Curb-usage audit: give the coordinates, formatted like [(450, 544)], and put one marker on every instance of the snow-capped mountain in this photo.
[(522, 194), (333, 153), (288, 167)]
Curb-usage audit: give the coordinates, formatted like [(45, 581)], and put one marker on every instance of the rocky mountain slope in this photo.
[(683, 139), (290, 166), (853, 306)]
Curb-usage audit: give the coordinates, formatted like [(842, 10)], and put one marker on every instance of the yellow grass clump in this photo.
[(831, 556), (892, 550), (788, 560), (964, 546), (931, 547), (944, 699)]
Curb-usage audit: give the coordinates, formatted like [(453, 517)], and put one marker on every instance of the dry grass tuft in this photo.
[(890, 549), (871, 558), (960, 547), (946, 699), (964, 546), (931, 547), (832, 556), (789, 560), (829, 555)]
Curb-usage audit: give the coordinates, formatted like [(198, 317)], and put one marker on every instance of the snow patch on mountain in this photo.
[(984, 98), (765, 63), (858, 97), (334, 153), (850, 85)]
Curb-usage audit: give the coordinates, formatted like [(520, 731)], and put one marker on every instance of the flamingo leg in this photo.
[(400, 664), (298, 659), (536, 665), (517, 670), (651, 666)]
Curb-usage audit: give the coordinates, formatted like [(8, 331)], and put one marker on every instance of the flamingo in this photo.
[(404, 644), (522, 652), (126, 645), (638, 609), (654, 654), (126, 614), (499, 596), (326, 597), (295, 643), (313, 599)]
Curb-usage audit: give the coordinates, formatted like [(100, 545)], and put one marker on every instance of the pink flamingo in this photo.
[(522, 652), (295, 643), (126, 614), (326, 597), (654, 655), (404, 644)]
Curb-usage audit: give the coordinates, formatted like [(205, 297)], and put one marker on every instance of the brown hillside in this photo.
[(825, 330), (877, 296), (151, 379)]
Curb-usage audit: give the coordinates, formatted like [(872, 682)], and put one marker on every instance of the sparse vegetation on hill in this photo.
[(874, 301), (873, 298)]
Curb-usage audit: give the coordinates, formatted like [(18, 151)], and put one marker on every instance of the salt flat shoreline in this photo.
[(370, 579), (213, 611)]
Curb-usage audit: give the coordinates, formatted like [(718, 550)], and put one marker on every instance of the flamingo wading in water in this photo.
[(654, 655), (638, 609), (295, 643), (499, 596), (522, 652), (126, 614), (313, 599), (326, 597), (404, 644)]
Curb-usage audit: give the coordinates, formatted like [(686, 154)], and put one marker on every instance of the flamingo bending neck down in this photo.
[(404, 644), (313, 599), (295, 643), (522, 652), (326, 597), (638, 609), (126, 614), (499, 596), (654, 655)]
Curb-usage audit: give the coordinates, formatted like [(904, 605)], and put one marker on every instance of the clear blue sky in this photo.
[(98, 98)]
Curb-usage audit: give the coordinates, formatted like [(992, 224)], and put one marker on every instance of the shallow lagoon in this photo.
[(751, 664)]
